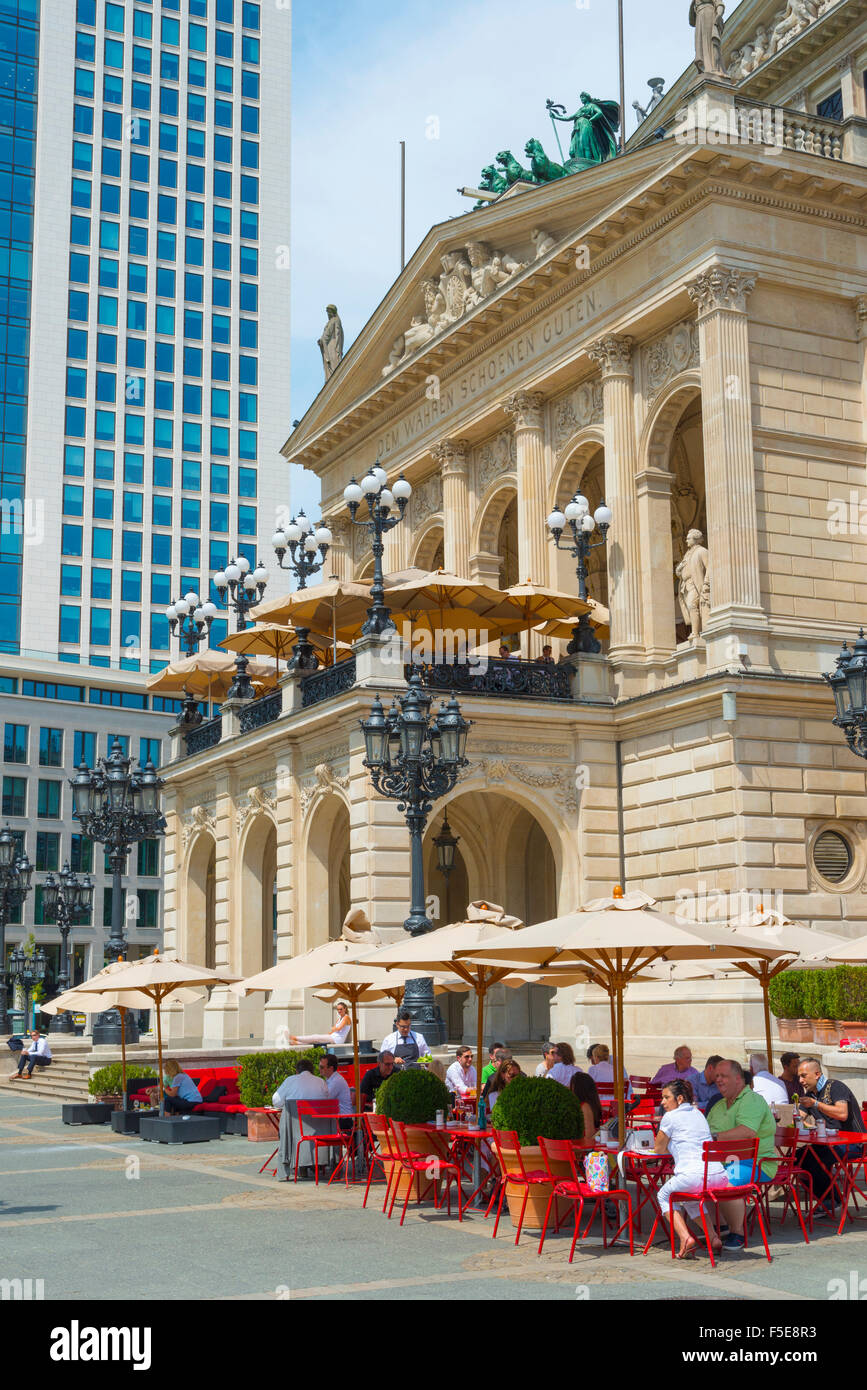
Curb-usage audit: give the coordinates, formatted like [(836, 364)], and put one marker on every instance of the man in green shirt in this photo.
[(496, 1054), (741, 1114)]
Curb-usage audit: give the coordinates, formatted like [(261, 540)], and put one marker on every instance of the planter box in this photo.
[(857, 1029), (802, 1030), (788, 1031), (421, 1141), (537, 1201), (259, 1128), (825, 1032)]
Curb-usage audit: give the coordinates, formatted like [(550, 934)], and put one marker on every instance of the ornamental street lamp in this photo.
[(415, 760), (191, 620), (446, 843), (849, 684), (307, 545), (117, 807), (576, 516), (242, 590), (66, 900), (15, 874), (381, 517), (27, 971)]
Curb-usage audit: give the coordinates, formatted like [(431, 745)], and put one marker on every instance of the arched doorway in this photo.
[(584, 472), (507, 545), (200, 927), (429, 552), (326, 895), (256, 948)]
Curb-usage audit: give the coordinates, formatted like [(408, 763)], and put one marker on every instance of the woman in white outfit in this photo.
[(341, 1031), (683, 1132)]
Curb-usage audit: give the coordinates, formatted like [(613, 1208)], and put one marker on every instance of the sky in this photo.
[(458, 81)]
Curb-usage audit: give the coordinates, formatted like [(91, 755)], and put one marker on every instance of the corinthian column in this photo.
[(339, 560), (453, 458), (613, 355), (525, 408), (720, 296)]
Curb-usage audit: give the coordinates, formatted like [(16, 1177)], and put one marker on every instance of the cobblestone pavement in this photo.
[(96, 1215)]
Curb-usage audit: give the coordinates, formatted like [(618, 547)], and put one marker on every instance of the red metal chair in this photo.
[(380, 1150), (721, 1151), (850, 1185), (790, 1177), (576, 1189), (512, 1170), (321, 1109), (436, 1166)]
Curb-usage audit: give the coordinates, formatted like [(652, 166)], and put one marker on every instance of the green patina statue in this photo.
[(594, 139)]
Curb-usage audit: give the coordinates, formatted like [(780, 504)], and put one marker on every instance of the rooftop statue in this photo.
[(706, 17), (331, 342), (594, 131)]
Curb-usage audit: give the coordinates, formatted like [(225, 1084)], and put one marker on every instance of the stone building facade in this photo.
[(681, 332)]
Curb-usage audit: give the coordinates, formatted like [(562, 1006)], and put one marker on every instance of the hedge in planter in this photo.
[(412, 1096), (786, 994), (849, 993), (260, 1073), (534, 1106), (108, 1081)]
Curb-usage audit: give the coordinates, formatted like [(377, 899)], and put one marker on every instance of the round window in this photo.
[(832, 856)]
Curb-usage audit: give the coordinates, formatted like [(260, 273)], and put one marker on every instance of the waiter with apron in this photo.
[(406, 1045)]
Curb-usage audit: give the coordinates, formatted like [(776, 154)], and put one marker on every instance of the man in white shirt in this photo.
[(602, 1069), (461, 1075), (335, 1084), (304, 1085), (36, 1054), (764, 1081), (405, 1045), (550, 1055)]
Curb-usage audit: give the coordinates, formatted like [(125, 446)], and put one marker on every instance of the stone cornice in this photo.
[(371, 414)]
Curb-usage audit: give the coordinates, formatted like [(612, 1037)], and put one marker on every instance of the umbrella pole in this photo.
[(481, 990), (160, 1055), (767, 1009), (122, 1012), (353, 1006), (618, 1075)]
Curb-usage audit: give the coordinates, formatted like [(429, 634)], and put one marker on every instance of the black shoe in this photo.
[(611, 1212), (823, 1214)]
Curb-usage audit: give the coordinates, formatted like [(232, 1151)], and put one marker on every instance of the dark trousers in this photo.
[(809, 1159), (25, 1060), (176, 1106)]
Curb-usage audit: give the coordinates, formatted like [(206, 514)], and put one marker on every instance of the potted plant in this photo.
[(106, 1084), (414, 1096), (850, 1000), (534, 1106), (786, 999), (259, 1075), (818, 1005)]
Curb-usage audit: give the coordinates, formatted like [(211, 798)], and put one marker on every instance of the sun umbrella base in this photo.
[(107, 1029)]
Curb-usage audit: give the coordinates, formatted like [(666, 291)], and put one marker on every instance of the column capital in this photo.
[(846, 63), (860, 304), (721, 287), (612, 354), (525, 408), (452, 455)]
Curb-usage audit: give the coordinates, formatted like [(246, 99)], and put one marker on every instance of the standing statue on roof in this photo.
[(331, 342), (594, 131), (706, 17)]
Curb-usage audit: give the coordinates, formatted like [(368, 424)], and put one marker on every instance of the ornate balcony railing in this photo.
[(331, 681), (262, 711), (521, 680), (758, 124), (204, 736)]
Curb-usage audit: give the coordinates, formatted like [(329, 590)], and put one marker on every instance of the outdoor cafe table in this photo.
[(840, 1175)]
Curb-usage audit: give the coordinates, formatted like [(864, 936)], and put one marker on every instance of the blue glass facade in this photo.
[(19, 49)]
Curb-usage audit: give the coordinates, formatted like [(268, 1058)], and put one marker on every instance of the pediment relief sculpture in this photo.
[(786, 24), (577, 410), (664, 357)]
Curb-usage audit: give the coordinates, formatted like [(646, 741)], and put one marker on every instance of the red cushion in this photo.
[(224, 1073)]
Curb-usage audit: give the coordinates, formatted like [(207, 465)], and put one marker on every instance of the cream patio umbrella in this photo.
[(206, 675), (614, 938), (539, 604), (83, 1000), (157, 978), (564, 628), (336, 608), (277, 641)]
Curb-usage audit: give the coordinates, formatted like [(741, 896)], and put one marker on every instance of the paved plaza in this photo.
[(98, 1216)]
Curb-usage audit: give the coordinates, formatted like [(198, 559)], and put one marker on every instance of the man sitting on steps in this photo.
[(36, 1054)]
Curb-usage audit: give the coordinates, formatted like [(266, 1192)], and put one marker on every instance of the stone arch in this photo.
[(253, 948), (576, 456), (364, 571), (325, 893), (429, 545), (199, 932), (656, 436), (582, 470), (490, 513)]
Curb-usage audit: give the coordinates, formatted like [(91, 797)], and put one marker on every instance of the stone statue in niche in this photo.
[(694, 585)]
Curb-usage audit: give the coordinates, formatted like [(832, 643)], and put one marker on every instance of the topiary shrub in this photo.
[(108, 1081), (817, 994), (786, 994), (260, 1073), (849, 993), (534, 1106), (412, 1096)]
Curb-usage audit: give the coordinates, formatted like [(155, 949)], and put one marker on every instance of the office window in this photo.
[(219, 517), (192, 437), (220, 441), (224, 43), (70, 539), (191, 475), (246, 444), (247, 407), (193, 287), (221, 293), (190, 515), (70, 582), (103, 424), (79, 231), (73, 460), (69, 623), (170, 32), (161, 589), (250, 85), (161, 510), (48, 799), (165, 282), (163, 429), (167, 209), (165, 319), (14, 796), (103, 504), (166, 246), (246, 521), (85, 12), (246, 482), (112, 90), (221, 328), (83, 748), (100, 627), (130, 586), (168, 141), (162, 472), (81, 193), (194, 250), (113, 54), (132, 506), (122, 739), (249, 225), (192, 326), (148, 908), (190, 553), (159, 629), (148, 850), (138, 207), (130, 629), (250, 120), (248, 370), (149, 750), (141, 64), (195, 178), (161, 549), (106, 386), (76, 382), (106, 348), (15, 743), (195, 143), (82, 155), (100, 583), (198, 38), (168, 101), (47, 851), (192, 361), (250, 15), (142, 24), (103, 464), (223, 149), (134, 429), (170, 67), (196, 72), (50, 747), (135, 353), (219, 403), (192, 400), (248, 333), (101, 543), (114, 18), (80, 847)]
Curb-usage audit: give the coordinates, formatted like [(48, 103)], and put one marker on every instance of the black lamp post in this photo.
[(381, 517), (415, 760), (28, 971), (446, 843), (242, 590), (191, 620), (16, 872), (117, 807), (307, 545), (849, 684), (576, 516), (66, 900)]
